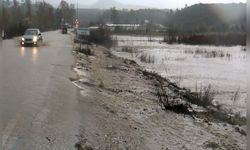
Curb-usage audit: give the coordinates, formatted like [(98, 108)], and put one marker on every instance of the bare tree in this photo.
[(114, 16), (65, 12)]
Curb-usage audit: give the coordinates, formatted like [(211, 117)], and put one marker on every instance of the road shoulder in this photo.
[(128, 116)]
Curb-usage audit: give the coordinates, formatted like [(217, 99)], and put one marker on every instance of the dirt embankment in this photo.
[(127, 114)]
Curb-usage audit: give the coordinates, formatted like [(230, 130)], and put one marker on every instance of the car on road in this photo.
[(64, 29), (32, 36)]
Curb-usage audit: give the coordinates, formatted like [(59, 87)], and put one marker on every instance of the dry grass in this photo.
[(101, 83), (236, 95), (206, 96), (147, 58), (128, 49), (209, 54)]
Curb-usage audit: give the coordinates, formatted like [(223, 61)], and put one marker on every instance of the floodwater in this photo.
[(193, 66)]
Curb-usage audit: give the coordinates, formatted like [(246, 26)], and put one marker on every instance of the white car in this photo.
[(31, 36)]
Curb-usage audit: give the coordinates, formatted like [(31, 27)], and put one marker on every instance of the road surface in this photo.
[(39, 105)]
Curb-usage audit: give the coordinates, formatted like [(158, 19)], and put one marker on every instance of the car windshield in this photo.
[(31, 32)]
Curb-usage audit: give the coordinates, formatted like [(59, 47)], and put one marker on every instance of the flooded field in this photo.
[(192, 66)]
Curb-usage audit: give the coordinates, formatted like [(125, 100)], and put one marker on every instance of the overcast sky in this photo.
[(175, 3), (153, 3)]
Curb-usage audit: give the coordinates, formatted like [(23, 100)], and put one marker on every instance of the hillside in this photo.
[(106, 4), (196, 18), (210, 17), (125, 16)]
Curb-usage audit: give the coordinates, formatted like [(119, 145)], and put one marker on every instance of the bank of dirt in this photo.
[(125, 113)]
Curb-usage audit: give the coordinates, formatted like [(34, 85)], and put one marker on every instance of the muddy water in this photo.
[(193, 66)]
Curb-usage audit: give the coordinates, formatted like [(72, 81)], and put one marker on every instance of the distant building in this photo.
[(137, 28), (160, 28), (93, 28), (124, 27)]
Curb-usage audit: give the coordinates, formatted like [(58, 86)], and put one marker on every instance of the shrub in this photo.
[(207, 96), (128, 49), (202, 98), (14, 30), (210, 39), (101, 36), (236, 95), (147, 58)]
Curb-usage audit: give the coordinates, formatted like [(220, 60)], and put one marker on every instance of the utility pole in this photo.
[(77, 16), (77, 11)]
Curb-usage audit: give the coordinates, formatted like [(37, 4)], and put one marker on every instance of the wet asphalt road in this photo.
[(39, 105)]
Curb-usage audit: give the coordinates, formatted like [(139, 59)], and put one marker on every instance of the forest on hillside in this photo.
[(198, 18), (19, 16)]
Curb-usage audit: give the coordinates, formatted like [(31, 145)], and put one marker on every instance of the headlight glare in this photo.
[(35, 39), (22, 38)]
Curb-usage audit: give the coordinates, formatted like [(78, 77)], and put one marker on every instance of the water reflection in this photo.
[(30, 51), (34, 54), (34, 51), (22, 51)]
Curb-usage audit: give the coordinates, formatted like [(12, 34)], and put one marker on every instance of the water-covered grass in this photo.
[(194, 67)]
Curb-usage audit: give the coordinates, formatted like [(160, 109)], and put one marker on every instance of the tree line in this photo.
[(207, 18), (17, 17), (100, 16), (198, 18), (220, 24), (217, 24)]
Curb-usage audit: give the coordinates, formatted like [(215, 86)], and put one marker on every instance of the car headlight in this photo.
[(35, 39), (22, 38)]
